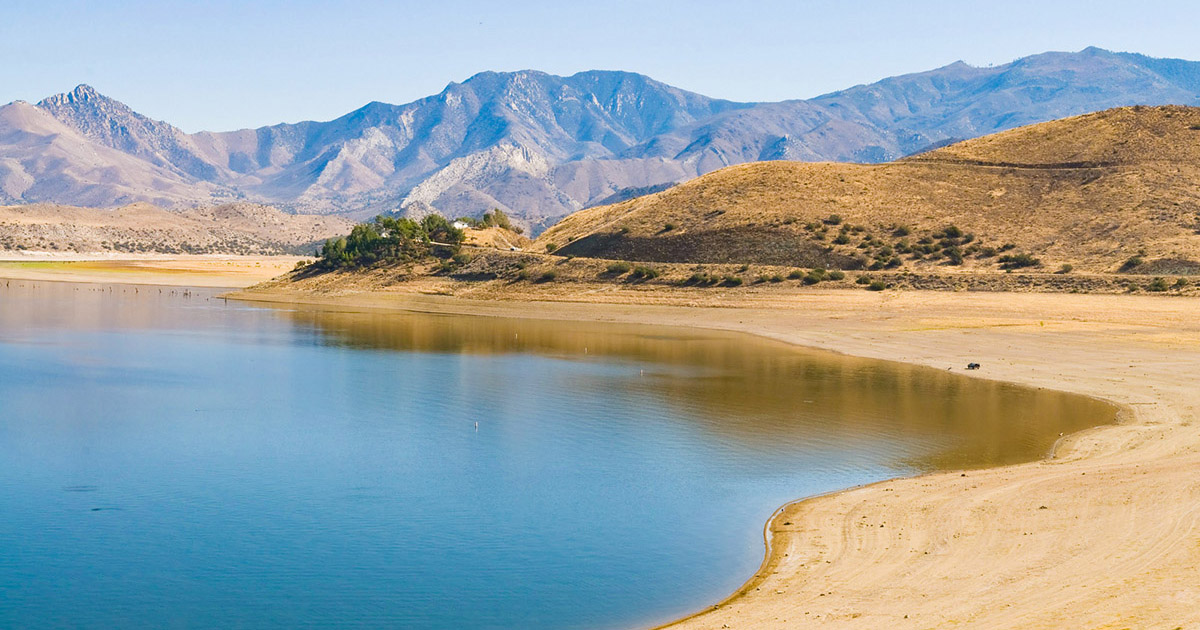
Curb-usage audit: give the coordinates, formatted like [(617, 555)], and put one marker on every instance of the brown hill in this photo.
[(1091, 191), (237, 228)]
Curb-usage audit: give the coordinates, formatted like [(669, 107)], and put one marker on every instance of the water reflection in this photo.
[(759, 393)]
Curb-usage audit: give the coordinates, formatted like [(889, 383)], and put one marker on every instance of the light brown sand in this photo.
[(1104, 535), (182, 270)]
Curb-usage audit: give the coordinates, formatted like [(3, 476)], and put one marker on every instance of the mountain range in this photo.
[(541, 146)]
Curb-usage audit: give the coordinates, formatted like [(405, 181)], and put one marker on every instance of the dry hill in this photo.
[(238, 228), (1091, 191)]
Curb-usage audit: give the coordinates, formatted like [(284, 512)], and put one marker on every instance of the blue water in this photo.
[(169, 460)]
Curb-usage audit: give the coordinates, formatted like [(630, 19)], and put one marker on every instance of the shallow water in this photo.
[(171, 460)]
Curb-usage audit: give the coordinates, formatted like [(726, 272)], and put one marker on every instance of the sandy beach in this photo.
[(222, 271), (1106, 534)]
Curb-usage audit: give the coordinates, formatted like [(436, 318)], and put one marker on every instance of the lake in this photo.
[(168, 459)]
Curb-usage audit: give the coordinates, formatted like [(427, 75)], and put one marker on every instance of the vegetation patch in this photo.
[(618, 268), (643, 272), (391, 240), (1018, 261)]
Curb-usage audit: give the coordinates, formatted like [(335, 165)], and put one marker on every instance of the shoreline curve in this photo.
[(1137, 569)]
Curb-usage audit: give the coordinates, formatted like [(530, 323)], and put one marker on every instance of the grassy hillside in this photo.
[(1091, 192)]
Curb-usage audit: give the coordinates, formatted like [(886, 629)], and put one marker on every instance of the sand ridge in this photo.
[(1104, 535)]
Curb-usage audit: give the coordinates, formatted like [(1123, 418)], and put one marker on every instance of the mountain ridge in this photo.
[(541, 146)]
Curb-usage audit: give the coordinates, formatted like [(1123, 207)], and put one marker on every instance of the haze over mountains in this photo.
[(541, 146)]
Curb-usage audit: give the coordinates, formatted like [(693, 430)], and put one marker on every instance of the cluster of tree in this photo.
[(390, 239), (492, 218)]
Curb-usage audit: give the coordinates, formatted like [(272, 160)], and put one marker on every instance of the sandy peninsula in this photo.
[(1106, 534), (201, 270)]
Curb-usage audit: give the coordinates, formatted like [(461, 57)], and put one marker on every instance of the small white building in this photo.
[(460, 225)]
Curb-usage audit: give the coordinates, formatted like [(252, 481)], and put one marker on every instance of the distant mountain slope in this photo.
[(1092, 191), (541, 146), (236, 228)]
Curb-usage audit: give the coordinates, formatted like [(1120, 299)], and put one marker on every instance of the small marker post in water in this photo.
[(477, 426)]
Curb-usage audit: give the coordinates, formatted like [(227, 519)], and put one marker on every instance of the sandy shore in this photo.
[(163, 270), (1104, 535)]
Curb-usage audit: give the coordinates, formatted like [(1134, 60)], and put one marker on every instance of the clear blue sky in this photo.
[(223, 65)]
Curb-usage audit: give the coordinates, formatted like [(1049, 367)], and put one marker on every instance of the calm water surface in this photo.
[(170, 460)]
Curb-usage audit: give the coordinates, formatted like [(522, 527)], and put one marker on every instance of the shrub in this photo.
[(549, 276), (842, 239), (833, 219), (523, 274), (618, 268), (951, 231), (702, 279), (1132, 263), (1065, 269), (642, 272), (954, 255), (813, 278), (1158, 284), (743, 268), (1180, 283), (864, 279), (776, 278), (668, 227), (836, 275), (550, 247), (461, 258), (1018, 261), (495, 218), (902, 230), (795, 274), (732, 281), (876, 285)]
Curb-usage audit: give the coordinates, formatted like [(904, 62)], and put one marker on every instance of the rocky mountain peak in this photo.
[(82, 97), (114, 124)]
